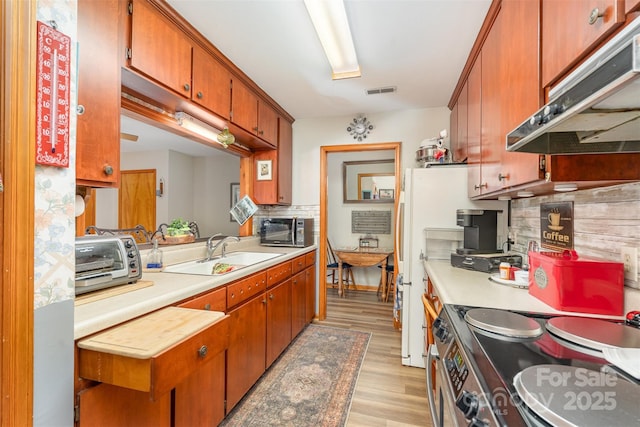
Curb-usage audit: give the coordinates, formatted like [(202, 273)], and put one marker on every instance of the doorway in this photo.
[(324, 208)]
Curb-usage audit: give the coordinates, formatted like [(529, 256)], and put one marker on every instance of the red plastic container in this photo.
[(569, 283)]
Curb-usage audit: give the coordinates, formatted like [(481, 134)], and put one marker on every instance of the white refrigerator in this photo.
[(429, 199)]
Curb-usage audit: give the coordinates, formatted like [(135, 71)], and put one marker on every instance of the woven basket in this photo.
[(176, 240)]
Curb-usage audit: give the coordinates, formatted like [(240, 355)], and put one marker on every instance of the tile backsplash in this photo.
[(605, 219)]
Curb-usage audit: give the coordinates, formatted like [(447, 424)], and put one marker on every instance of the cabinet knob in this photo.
[(594, 15), (255, 129), (108, 170), (80, 110), (187, 87), (207, 307), (261, 132), (503, 177), (478, 187), (202, 351), (270, 296), (199, 95)]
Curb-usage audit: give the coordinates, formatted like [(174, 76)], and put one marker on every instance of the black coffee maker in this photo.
[(480, 230)]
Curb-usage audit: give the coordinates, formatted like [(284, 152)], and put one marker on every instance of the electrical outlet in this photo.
[(630, 260)]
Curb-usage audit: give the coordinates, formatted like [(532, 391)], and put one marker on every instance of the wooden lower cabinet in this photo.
[(199, 400), (310, 293), (247, 348), (105, 405), (298, 303), (278, 320)]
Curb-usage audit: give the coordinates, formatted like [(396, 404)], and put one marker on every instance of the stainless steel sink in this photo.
[(236, 260)]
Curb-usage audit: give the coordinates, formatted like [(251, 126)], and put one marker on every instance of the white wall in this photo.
[(409, 127)]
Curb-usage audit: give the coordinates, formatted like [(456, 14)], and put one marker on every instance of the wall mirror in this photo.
[(369, 181)]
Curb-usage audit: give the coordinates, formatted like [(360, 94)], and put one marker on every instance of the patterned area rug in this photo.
[(311, 384)]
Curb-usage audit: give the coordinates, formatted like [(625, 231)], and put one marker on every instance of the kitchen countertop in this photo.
[(170, 288), (465, 287)]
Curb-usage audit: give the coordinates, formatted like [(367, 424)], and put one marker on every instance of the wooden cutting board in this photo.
[(110, 292), (153, 333)]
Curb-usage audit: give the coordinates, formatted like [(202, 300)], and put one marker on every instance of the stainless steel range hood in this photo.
[(596, 109)]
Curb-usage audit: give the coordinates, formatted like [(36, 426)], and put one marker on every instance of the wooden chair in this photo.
[(430, 314), (332, 270)]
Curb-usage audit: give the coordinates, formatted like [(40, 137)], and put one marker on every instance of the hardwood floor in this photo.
[(387, 393)]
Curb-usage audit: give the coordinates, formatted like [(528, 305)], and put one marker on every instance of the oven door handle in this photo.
[(432, 355)]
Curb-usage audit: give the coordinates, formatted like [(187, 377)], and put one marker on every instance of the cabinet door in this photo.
[(310, 294), (98, 128), (474, 127), (158, 49), (211, 83), (106, 406), (285, 147), (267, 123), (265, 192), (247, 348), (298, 296), (244, 107), (278, 320), (199, 399), (460, 152), (568, 36), (491, 141), (524, 96)]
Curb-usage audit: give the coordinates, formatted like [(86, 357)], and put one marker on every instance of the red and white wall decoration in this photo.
[(53, 88)]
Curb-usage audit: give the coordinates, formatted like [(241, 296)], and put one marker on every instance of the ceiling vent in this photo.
[(381, 90)]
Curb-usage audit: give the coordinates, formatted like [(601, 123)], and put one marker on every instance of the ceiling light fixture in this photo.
[(330, 21), (204, 130), (563, 188)]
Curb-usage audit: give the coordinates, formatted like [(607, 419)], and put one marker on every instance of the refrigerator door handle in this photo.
[(400, 232)]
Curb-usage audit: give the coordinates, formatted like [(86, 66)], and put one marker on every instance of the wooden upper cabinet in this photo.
[(521, 71), (159, 49), (571, 29), (98, 127), (244, 107), (474, 127), (463, 125), (253, 114), (277, 190), (211, 83), (267, 123)]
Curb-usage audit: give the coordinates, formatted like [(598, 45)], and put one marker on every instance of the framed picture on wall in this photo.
[(385, 193), (264, 172), (235, 197)]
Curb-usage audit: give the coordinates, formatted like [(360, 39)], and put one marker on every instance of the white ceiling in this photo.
[(418, 46)]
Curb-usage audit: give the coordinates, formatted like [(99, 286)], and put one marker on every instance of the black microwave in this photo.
[(294, 232)]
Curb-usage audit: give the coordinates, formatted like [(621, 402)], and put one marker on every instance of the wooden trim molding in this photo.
[(322, 246), (17, 153)]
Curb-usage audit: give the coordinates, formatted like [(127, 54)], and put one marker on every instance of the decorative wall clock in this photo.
[(359, 128)]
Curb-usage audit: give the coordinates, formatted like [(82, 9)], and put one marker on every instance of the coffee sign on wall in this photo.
[(556, 225)]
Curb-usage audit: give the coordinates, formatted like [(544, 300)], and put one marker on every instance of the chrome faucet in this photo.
[(211, 248)]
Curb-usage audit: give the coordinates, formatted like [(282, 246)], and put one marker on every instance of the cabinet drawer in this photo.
[(246, 288), (154, 353), (310, 259), (213, 301), (278, 273), (299, 264)]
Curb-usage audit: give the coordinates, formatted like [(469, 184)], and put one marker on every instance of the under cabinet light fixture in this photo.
[(565, 187), (525, 194), (329, 18), (199, 127)]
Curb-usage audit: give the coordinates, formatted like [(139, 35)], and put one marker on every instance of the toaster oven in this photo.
[(106, 261)]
